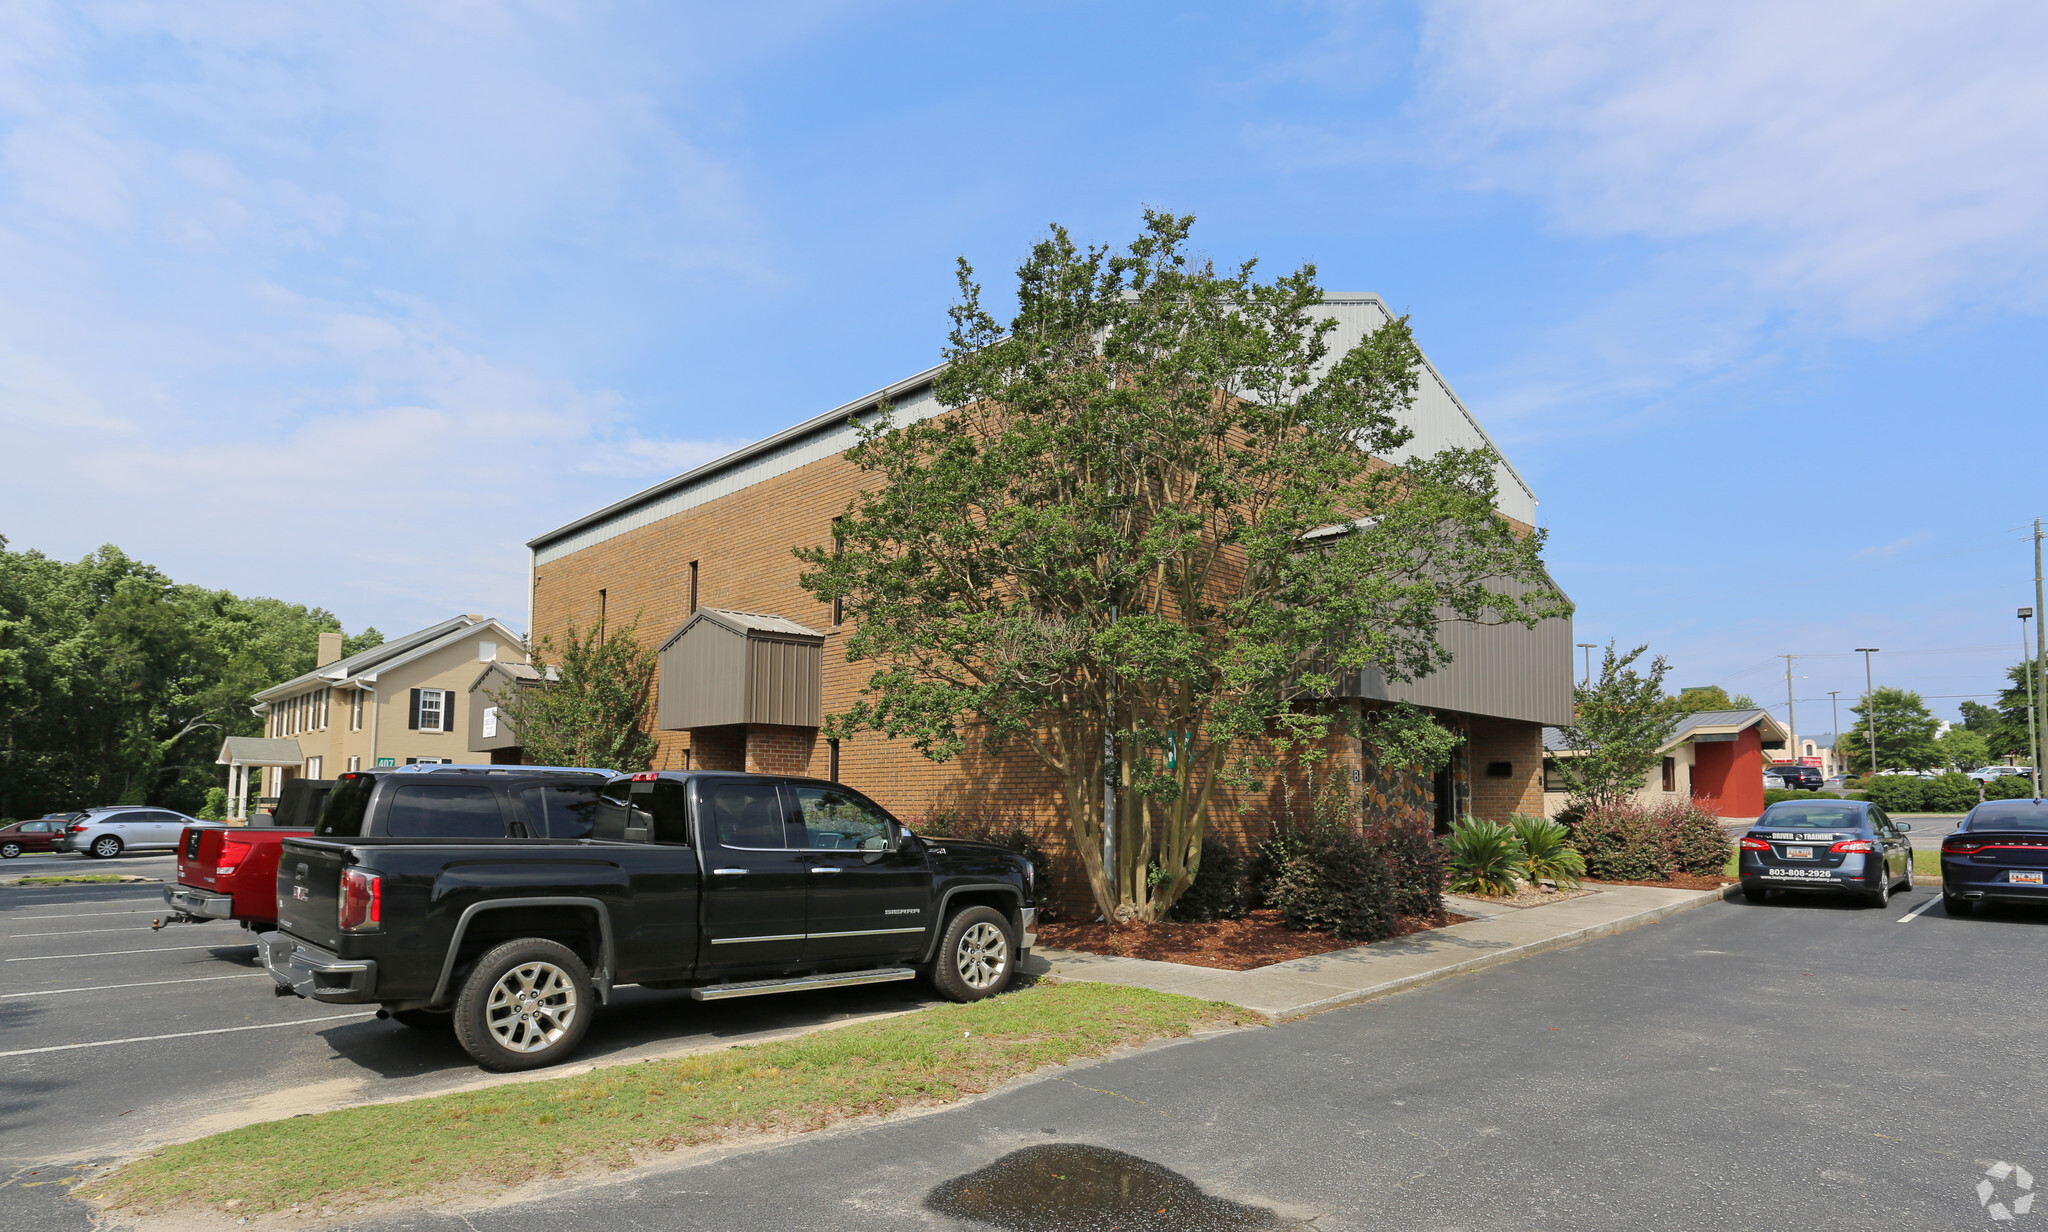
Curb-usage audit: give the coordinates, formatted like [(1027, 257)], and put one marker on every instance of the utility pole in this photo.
[(2040, 659), (1588, 648), (2026, 669), (1835, 702), (1869, 703), (1791, 717)]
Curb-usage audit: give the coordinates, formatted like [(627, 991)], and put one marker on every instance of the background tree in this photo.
[(1620, 721), (1905, 733), (1962, 749), (117, 683), (1150, 535), (589, 708), (2005, 727), (1713, 697)]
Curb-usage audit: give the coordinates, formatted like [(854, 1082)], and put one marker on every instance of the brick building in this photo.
[(750, 662)]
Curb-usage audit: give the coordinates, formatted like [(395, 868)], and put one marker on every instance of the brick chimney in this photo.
[(330, 649)]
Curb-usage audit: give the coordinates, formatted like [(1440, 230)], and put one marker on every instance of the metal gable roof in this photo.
[(1438, 416), (746, 623)]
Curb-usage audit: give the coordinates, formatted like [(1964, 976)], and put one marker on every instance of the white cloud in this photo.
[(1876, 160), (1885, 551)]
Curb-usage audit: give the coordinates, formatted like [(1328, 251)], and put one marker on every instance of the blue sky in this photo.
[(345, 304)]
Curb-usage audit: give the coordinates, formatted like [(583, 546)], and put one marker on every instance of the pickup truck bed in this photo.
[(512, 907)]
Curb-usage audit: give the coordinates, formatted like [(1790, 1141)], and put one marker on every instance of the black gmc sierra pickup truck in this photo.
[(507, 902)]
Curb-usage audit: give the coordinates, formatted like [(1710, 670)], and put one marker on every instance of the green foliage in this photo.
[(1100, 552), (2010, 787), (1896, 793), (1620, 722), (590, 706), (1219, 891), (1713, 697), (216, 806), (1337, 884), (1962, 749), (1483, 857), (1694, 840), (1949, 793), (117, 683), (1621, 843), (1905, 732), (1415, 863), (1547, 853), (2005, 727)]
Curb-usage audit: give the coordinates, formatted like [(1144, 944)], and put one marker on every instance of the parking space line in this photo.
[(1917, 910), (79, 915), (240, 945), (197, 979), (147, 1039), (87, 932)]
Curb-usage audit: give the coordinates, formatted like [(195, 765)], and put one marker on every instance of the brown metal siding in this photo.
[(1505, 671), (481, 697), (703, 679), (785, 684)]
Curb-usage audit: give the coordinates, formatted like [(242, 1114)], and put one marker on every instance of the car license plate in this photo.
[(1799, 853), (2024, 878)]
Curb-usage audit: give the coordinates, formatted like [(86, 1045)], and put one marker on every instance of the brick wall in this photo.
[(1520, 747), (774, 749)]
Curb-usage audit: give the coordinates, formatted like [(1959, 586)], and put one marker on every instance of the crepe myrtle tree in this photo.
[(590, 705), (1619, 725), (1152, 534)]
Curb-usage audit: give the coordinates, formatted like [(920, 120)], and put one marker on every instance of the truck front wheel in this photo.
[(977, 955), (526, 1004)]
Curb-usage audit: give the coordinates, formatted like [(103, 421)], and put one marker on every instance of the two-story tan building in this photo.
[(397, 704)]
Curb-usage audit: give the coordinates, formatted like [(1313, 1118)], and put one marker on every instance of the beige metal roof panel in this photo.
[(259, 751)]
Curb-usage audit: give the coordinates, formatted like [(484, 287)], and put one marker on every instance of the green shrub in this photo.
[(1547, 853), (1694, 841), (1218, 892), (1269, 859), (216, 806), (1483, 856), (1776, 795), (2009, 787), (1415, 864), (1335, 882), (1621, 844), (1896, 793), (1949, 793)]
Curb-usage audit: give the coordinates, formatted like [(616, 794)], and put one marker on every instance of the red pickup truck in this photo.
[(230, 872)]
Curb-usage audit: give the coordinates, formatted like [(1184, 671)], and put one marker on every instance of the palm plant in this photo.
[(1484, 857), (1547, 853)]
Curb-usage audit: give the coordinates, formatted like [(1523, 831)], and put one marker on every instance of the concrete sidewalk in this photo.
[(1305, 985)]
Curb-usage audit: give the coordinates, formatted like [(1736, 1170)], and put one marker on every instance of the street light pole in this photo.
[(2040, 666), (1869, 703), (2027, 670), (1791, 714), (1588, 648)]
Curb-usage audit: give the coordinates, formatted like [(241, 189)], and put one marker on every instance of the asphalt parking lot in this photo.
[(114, 1037)]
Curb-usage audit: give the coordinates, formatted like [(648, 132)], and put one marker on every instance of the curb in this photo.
[(1480, 963)]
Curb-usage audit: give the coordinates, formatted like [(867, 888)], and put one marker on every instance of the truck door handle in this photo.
[(828, 870), (728, 872)]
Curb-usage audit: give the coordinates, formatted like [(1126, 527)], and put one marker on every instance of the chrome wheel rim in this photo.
[(531, 1007), (983, 956), (10, 850), (106, 847)]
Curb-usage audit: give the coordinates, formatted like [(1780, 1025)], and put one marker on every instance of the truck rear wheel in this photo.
[(977, 955), (526, 1004)]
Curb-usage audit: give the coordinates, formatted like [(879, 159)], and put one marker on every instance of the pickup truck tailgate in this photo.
[(309, 889)]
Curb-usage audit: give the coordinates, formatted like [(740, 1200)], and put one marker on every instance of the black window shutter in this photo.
[(415, 724), (448, 710)]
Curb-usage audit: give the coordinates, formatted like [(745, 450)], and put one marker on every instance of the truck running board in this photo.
[(838, 979)]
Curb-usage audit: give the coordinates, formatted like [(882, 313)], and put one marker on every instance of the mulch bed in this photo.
[(1257, 940), (1678, 881)]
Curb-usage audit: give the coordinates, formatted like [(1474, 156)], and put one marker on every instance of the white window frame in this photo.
[(355, 713), (313, 767), (355, 764), (439, 698)]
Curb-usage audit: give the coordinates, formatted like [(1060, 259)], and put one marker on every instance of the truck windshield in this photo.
[(343, 816)]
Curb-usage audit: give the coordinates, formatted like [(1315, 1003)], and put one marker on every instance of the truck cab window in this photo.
[(837, 820), (342, 817), (444, 810), (669, 807), (562, 810), (748, 815)]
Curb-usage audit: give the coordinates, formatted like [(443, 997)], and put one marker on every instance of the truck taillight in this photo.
[(362, 901), (232, 853)]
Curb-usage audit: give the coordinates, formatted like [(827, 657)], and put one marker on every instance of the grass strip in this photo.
[(72, 879), (507, 1135)]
